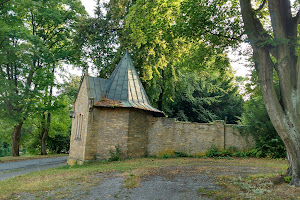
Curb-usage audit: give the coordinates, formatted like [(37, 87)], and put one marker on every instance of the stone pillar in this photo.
[(220, 140)]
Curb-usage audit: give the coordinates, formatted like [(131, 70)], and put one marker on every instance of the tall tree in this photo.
[(274, 48), (32, 50)]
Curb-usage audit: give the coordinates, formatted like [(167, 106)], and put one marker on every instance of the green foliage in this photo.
[(180, 154), (115, 155), (214, 152), (287, 179), (217, 22), (174, 70), (258, 124), (5, 149), (204, 99), (36, 37), (58, 140)]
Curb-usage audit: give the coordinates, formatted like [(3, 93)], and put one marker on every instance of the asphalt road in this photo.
[(11, 169)]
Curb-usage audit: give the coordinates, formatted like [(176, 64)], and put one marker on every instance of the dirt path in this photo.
[(163, 183)]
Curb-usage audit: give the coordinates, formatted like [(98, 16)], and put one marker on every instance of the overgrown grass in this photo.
[(69, 177), (28, 157), (259, 186)]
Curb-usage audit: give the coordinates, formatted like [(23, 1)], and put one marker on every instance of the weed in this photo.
[(180, 154), (208, 193), (115, 155), (212, 152), (227, 153), (287, 179), (131, 181), (165, 156)]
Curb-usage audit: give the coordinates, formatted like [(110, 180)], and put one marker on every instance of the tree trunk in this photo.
[(43, 143), (45, 132), (16, 136), (161, 95), (46, 124), (283, 110)]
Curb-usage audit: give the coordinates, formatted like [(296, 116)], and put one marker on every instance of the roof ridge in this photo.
[(125, 85)]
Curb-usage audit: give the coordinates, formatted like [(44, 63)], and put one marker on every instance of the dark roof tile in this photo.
[(122, 89)]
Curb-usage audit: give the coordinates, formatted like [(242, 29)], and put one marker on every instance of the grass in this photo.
[(258, 185), (27, 157)]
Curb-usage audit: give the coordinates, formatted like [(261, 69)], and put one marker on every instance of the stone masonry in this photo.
[(116, 113), (137, 133)]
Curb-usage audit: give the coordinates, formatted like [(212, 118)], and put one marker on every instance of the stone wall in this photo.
[(111, 126), (233, 138), (138, 134), (167, 135), (78, 141)]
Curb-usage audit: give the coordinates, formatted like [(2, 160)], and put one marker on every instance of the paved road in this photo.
[(11, 169)]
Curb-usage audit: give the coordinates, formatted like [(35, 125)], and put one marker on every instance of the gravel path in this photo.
[(11, 169), (183, 187), (170, 182)]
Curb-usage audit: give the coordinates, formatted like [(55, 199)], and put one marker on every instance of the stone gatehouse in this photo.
[(116, 112)]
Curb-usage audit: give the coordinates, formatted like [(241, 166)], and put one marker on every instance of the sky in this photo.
[(237, 61)]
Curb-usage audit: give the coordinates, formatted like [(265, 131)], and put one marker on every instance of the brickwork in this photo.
[(167, 135), (233, 138), (138, 134), (79, 125), (111, 126)]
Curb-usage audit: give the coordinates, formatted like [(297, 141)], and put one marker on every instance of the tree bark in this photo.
[(16, 137), (283, 110), (46, 123), (161, 95), (45, 132)]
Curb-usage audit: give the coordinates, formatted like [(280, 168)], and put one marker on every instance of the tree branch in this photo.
[(281, 18), (262, 5)]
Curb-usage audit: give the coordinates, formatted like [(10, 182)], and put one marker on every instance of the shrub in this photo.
[(180, 154), (214, 152), (258, 124), (115, 155)]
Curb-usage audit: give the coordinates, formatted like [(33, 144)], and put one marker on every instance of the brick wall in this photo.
[(137, 134), (233, 138), (111, 126), (80, 110), (167, 135)]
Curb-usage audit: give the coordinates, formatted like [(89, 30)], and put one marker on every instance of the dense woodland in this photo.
[(179, 48)]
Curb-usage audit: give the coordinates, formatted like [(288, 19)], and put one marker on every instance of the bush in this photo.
[(115, 155), (214, 152), (258, 124), (180, 154), (58, 143), (5, 151)]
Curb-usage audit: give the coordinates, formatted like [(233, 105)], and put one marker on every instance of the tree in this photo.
[(206, 89), (257, 122), (98, 37), (161, 53), (38, 36), (274, 48)]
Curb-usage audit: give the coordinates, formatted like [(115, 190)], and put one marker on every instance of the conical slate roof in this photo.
[(122, 89)]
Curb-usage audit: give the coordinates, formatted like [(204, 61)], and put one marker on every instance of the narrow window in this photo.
[(80, 131), (79, 119)]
